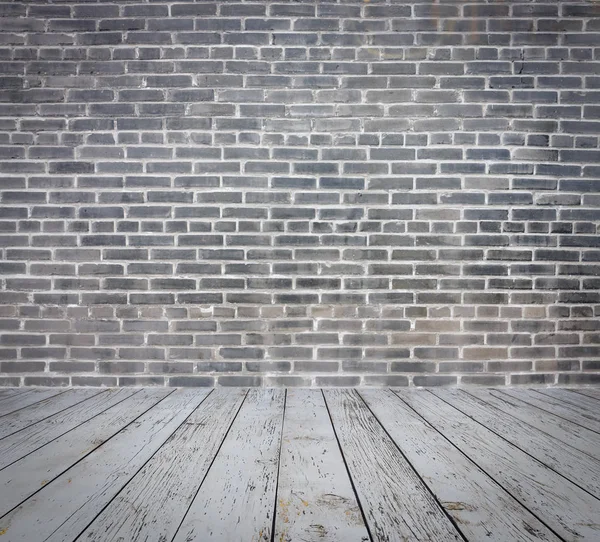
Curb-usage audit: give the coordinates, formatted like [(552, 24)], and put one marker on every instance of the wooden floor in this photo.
[(299, 465)]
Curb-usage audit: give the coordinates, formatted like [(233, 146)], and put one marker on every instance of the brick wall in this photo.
[(299, 193)]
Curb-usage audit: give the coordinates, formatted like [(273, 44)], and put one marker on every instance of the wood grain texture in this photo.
[(5, 393), (152, 505), (556, 407), (44, 409), (158, 465), (396, 503), (585, 405), (315, 498), (594, 393), (568, 510), (61, 510), (18, 445), (26, 476), (481, 509), (236, 500), (575, 436), (23, 400), (562, 458)]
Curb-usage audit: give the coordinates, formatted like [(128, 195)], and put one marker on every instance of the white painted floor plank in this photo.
[(396, 503), (570, 462), (24, 477), (594, 393), (481, 509), (556, 407), (315, 498), (152, 505), (18, 445), (565, 508), (44, 409), (236, 501), (5, 393), (585, 405), (576, 436), (61, 510), (23, 400), (123, 465)]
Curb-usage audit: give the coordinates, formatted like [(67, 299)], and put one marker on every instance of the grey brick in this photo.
[(191, 381), (286, 178), (434, 380)]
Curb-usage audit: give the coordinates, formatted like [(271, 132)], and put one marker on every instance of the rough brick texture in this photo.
[(299, 193)]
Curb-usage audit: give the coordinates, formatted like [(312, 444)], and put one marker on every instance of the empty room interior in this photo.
[(299, 270)]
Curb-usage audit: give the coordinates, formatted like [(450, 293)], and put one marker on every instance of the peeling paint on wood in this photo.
[(566, 508), (153, 504), (562, 458), (156, 465), (574, 435), (35, 436), (397, 505), (236, 500), (44, 409), (73, 500), (481, 509), (14, 403), (315, 497)]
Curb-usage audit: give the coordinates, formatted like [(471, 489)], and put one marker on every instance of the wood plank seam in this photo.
[(34, 403), (571, 402), (73, 499), (54, 413), (315, 498), (278, 468), (150, 506), (482, 469), (516, 445), (433, 495), (586, 392), (84, 456), (6, 393), (551, 412), (582, 392), (550, 424), (360, 506), (517, 420), (72, 429), (484, 510), (210, 466), (142, 466), (239, 489)]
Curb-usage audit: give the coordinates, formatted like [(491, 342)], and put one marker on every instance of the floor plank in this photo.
[(21, 419), (237, 498), (482, 510), (574, 435), (24, 477), (153, 504), (315, 497), (594, 393), (23, 400), (163, 465), (568, 510), (382, 477), (556, 407), (62, 509), (585, 405), (5, 393), (560, 457), (26, 441)]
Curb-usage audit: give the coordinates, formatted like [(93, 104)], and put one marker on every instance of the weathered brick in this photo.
[(299, 186)]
